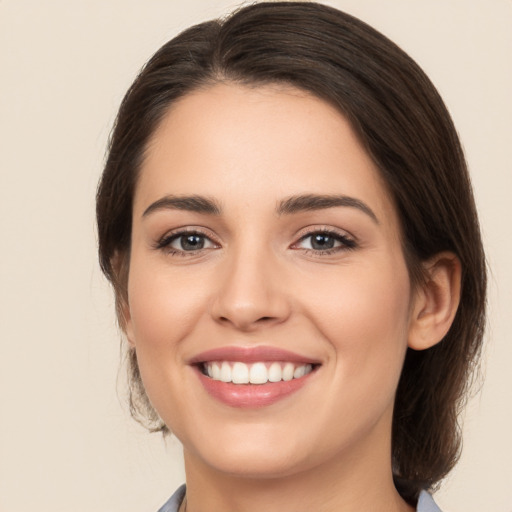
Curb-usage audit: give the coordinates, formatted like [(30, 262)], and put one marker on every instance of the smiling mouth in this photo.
[(253, 377), (237, 372)]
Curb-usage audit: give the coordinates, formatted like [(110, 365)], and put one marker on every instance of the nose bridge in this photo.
[(251, 291)]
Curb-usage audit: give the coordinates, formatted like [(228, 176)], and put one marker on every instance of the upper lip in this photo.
[(251, 355)]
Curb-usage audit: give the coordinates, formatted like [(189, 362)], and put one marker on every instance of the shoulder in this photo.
[(174, 502), (426, 503)]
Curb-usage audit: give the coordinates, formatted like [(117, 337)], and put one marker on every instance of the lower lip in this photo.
[(251, 395)]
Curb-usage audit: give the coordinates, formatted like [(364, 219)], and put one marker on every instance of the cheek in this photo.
[(364, 317), (164, 306), (364, 314), (164, 309)]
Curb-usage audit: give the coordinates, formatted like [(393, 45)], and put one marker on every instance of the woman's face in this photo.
[(264, 246)]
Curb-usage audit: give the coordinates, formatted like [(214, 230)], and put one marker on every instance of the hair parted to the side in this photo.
[(404, 126)]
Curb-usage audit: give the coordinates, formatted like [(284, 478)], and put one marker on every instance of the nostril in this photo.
[(262, 319), (247, 323)]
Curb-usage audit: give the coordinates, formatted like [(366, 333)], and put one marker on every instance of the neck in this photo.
[(355, 483)]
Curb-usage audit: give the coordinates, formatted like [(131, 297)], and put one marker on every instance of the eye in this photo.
[(186, 242), (325, 242)]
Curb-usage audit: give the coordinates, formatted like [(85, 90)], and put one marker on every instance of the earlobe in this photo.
[(436, 301), (127, 324), (120, 263)]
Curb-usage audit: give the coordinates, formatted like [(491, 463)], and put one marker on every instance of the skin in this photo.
[(258, 281)]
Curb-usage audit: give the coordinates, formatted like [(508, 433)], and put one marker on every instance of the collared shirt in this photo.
[(425, 503)]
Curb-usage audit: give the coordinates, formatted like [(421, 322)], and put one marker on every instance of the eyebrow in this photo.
[(194, 203), (288, 206), (309, 202)]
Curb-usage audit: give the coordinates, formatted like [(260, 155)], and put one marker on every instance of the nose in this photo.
[(251, 293)]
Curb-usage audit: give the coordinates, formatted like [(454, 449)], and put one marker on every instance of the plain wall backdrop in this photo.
[(66, 440)]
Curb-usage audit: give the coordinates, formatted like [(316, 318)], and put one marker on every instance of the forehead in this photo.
[(254, 143)]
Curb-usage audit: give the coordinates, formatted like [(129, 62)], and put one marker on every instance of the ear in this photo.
[(436, 301), (120, 263), (127, 324)]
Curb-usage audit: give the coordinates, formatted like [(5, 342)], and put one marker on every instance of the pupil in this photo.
[(322, 242), (192, 242)]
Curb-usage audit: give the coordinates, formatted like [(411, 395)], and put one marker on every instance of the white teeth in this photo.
[(215, 371), (299, 372), (275, 373), (225, 372), (239, 373), (256, 373), (288, 371)]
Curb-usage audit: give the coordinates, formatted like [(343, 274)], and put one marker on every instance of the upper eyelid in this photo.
[(299, 235), (169, 236), (189, 230), (311, 230), (348, 241)]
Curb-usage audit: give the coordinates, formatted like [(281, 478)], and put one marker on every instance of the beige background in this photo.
[(66, 442)]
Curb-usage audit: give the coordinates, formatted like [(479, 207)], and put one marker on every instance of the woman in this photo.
[(287, 220)]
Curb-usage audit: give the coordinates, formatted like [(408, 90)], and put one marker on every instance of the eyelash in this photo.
[(165, 242), (346, 243)]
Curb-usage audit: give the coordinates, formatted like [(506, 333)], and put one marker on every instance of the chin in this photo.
[(250, 453), (257, 466)]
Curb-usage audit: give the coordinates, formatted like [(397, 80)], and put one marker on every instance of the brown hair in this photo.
[(405, 127)]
